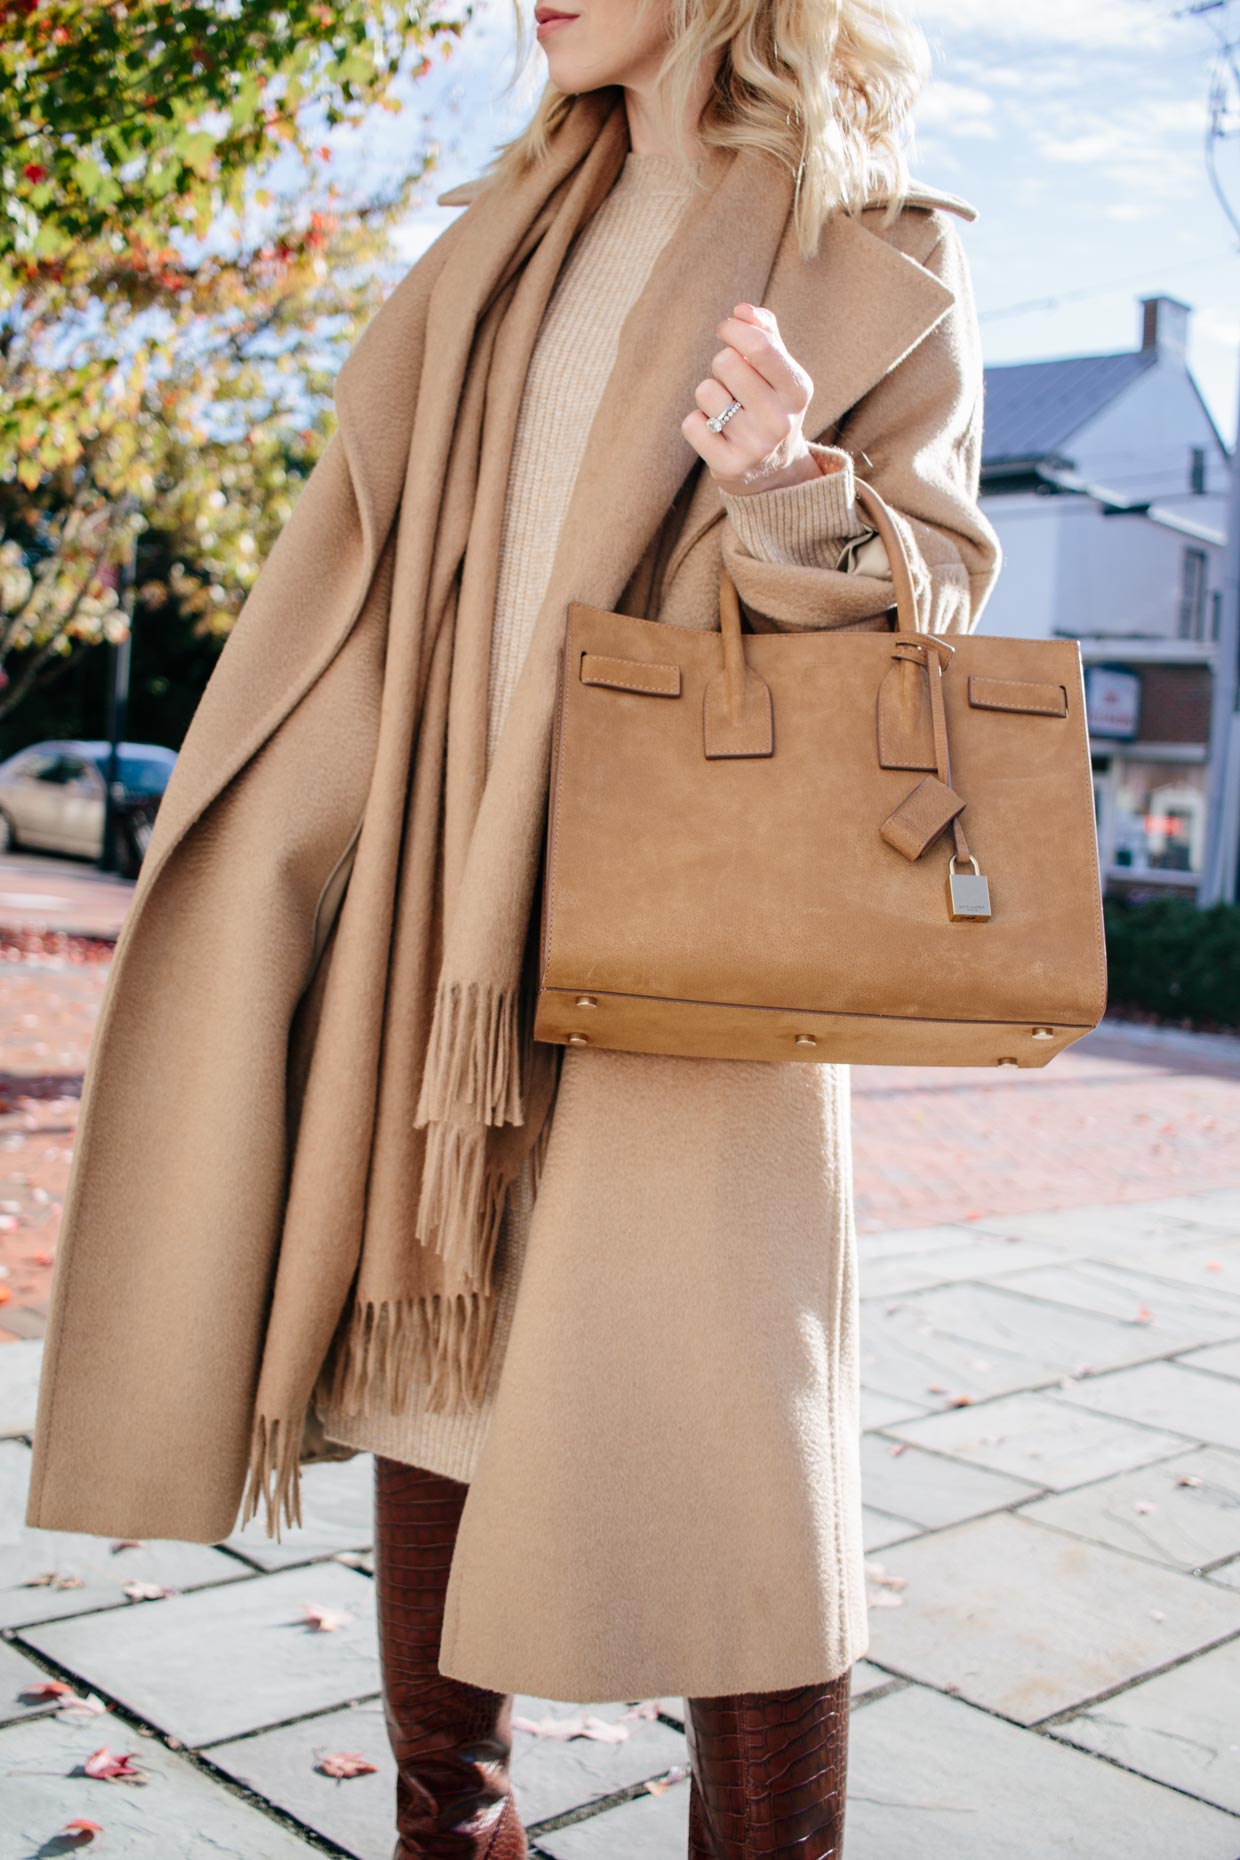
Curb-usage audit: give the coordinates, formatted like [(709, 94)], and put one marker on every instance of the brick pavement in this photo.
[(1119, 1117)]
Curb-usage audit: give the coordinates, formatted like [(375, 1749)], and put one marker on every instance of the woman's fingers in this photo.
[(754, 369), (755, 336)]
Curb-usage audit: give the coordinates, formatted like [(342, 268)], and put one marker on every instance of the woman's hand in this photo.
[(762, 447)]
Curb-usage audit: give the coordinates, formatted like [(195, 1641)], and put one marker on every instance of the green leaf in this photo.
[(88, 175)]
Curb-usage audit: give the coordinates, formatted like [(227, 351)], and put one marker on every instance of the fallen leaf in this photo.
[(901, 1446), (83, 1829), (1144, 1315), (577, 1724), (75, 1709), (877, 1572), (324, 1620), (1144, 1506), (46, 1689), (52, 1579), (146, 1591), (662, 1784), (936, 1388), (128, 1543), (961, 1401), (1189, 1479), (645, 1708), (345, 1763), (105, 1767)]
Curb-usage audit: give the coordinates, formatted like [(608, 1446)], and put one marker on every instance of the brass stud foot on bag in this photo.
[(806, 1039), (579, 1039), (1007, 1062), (586, 1001), (1043, 1033)]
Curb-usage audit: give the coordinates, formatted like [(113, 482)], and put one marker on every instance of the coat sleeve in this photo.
[(917, 438)]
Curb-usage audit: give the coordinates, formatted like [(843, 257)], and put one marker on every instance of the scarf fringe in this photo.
[(472, 1055), (273, 1477), (388, 1342), (461, 1201)]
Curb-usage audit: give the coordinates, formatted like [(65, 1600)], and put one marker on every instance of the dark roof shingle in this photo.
[(1031, 409)]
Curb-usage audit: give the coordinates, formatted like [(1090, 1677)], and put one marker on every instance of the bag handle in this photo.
[(738, 703), (879, 513), (897, 555)]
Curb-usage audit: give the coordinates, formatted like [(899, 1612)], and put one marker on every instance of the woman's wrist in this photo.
[(804, 466), (807, 524)]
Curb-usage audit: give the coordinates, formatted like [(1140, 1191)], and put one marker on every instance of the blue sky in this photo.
[(1075, 127)]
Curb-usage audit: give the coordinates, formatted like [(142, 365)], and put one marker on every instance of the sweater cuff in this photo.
[(804, 525)]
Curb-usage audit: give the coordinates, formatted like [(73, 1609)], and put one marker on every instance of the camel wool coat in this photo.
[(668, 1498)]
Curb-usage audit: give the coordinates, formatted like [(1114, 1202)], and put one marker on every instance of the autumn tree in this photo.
[(186, 250)]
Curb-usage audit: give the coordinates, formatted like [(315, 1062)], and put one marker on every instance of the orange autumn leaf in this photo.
[(345, 1763), (46, 1689)]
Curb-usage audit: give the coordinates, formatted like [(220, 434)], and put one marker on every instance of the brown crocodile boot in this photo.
[(452, 1741), (768, 1773)]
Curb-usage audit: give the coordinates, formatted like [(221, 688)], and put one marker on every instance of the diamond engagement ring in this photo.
[(721, 419)]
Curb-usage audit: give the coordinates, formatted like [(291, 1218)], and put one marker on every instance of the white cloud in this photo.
[(964, 109), (1130, 23)]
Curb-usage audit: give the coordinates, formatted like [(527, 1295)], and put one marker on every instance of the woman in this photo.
[(326, 1186)]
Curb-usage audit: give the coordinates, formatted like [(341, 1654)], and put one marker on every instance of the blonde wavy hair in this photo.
[(825, 86)]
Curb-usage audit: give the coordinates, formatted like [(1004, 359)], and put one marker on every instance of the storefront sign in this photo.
[(1112, 701)]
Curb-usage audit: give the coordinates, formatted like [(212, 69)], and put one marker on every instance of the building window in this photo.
[(1159, 816), (1193, 594), (1197, 469)]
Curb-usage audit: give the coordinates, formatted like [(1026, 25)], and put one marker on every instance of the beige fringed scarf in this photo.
[(421, 1089)]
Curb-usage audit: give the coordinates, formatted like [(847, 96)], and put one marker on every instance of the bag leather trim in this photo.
[(1017, 694), (654, 680)]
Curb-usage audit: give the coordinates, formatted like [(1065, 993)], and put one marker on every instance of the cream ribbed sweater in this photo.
[(603, 275)]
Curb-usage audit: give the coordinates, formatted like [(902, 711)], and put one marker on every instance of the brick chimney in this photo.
[(1164, 326)]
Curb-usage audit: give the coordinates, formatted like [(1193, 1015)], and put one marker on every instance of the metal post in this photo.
[(118, 710), (1222, 847)]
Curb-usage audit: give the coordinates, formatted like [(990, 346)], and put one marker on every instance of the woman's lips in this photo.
[(548, 22)]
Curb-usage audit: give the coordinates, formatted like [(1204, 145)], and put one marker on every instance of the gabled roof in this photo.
[(1033, 408)]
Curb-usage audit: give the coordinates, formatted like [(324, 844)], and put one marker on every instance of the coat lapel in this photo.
[(636, 457), (849, 314)]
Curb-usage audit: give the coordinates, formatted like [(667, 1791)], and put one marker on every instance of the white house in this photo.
[(1107, 481)]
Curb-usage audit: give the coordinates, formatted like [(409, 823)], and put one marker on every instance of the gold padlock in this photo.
[(968, 894)]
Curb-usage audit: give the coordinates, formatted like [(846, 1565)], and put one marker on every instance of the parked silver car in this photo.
[(52, 796)]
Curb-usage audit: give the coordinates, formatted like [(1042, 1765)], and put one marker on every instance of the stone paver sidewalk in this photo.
[(1050, 1276), (1052, 1474)]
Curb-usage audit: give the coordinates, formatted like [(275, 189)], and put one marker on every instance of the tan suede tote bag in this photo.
[(869, 847)]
